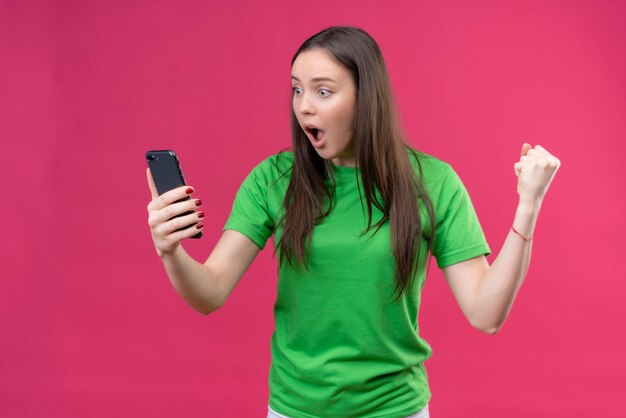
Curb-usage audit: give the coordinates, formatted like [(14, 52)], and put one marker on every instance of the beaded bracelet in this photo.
[(525, 239)]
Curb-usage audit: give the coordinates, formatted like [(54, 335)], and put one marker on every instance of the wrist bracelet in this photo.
[(525, 239)]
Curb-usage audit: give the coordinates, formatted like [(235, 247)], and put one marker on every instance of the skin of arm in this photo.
[(230, 259), (206, 287), (486, 293)]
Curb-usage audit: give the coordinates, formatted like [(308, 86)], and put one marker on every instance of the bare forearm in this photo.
[(193, 281), (498, 287)]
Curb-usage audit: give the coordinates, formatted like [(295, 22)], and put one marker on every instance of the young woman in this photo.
[(355, 213)]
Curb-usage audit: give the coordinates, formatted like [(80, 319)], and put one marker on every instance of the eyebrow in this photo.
[(316, 79)]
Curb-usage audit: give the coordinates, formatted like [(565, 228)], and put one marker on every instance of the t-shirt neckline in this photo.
[(342, 170)]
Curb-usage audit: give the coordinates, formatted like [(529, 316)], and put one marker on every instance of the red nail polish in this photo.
[(200, 214), (199, 226), (198, 202), (189, 190)]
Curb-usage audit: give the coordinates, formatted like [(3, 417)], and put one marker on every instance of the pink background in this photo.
[(89, 322)]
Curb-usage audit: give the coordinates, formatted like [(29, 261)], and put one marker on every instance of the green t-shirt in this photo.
[(341, 346)]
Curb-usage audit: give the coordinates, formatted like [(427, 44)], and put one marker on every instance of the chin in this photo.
[(325, 154)]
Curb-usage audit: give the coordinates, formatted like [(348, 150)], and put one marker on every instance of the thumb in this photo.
[(151, 185), (525, 148)]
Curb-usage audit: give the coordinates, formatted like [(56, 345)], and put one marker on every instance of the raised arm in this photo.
[(205, 287), (486, 293)]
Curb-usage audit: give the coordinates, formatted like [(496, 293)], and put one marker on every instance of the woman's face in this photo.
[(324, 102)]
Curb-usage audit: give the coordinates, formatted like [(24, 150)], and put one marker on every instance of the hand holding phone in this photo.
[(172, 215)]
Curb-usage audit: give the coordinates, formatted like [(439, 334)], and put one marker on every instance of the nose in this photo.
[(304, 105)]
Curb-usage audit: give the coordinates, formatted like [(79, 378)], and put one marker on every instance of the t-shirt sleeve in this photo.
[(458, 234), (249, 214)]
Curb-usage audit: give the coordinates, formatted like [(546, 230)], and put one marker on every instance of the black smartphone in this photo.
[(168, 175)]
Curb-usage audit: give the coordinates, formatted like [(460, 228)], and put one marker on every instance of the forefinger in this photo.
[(172, 196)]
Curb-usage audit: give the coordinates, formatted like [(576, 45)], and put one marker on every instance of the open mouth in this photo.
[(317, 134)]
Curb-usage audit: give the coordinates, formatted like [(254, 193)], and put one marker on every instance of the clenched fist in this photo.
[(535, 171)]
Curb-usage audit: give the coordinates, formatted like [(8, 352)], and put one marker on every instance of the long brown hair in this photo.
[(381, 155)]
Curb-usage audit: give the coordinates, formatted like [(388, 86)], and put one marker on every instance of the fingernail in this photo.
[(199, 226), (198, 202), (200, 214), (189, 190)]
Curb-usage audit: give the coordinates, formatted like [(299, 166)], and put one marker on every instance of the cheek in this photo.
[(340, 111), (293, 106), (347, 118), (294, 109)]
